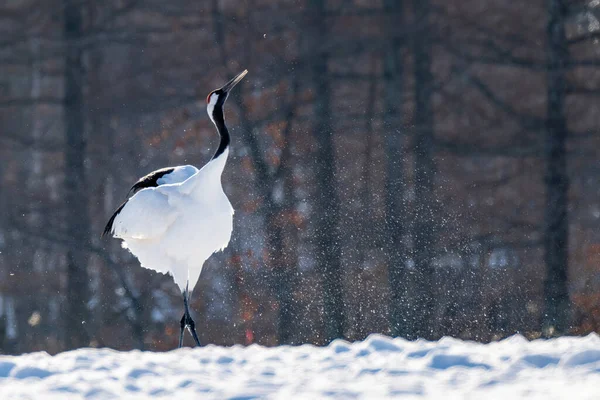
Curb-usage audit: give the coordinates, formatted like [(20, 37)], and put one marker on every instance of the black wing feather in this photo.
[(109, 226), (150, 180), (147, 181)]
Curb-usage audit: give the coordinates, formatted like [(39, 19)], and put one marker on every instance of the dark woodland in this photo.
[(417, 168)]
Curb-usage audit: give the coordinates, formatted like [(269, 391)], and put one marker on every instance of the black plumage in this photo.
[(149, 180), (109, 225)]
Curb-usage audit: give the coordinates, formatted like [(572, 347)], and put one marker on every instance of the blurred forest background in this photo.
[(412, 167)]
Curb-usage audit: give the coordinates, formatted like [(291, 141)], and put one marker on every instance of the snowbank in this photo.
[(379, 367)]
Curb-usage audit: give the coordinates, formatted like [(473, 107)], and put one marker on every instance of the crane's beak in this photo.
[(229, 85)]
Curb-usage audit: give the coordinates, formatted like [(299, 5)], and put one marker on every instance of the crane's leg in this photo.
[(187, 321), (182, 324)]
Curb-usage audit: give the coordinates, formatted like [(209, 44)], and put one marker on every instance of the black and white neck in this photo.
[(214, 106)]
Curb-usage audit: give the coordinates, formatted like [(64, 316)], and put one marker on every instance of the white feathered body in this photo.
[(175, 227)]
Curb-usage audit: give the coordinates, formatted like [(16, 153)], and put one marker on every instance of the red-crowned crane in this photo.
[(179, 216)]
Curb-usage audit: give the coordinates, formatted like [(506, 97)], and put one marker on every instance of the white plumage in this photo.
[(179, 174), (179, 216), (174, 227)]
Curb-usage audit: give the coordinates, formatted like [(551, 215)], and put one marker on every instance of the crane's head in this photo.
[(216, 98)]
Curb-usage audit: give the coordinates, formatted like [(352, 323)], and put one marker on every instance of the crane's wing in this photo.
[(163, 176), (151, 208), (109, 225), (146, 215)]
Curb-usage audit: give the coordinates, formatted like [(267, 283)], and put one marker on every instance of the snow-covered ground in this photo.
[(379, 367)]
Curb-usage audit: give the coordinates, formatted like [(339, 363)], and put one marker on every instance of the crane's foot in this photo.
[(191, 325), (187, 322)]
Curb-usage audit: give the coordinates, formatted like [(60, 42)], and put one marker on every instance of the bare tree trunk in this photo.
[(394, 184), (283, 254), (366, 228), (77, 216), (282, 272), (3, 296), (328, 251), (424, 172), (282, 269), (556, 223)]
